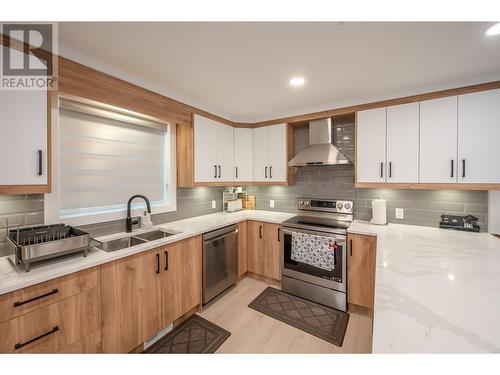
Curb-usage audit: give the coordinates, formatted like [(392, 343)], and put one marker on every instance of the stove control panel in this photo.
[(326, 205)]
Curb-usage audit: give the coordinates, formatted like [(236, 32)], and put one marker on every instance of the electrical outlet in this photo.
[(400, 213), (214, 204), (271, 203)]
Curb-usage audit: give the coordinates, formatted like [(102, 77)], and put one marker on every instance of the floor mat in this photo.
[(194, 335), (318, 320)]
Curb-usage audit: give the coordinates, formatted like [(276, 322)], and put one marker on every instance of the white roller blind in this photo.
[(105, 161)]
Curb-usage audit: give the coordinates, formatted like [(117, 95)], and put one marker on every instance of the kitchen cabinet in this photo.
[(402, 143), (264, 250), (23, 142), (270, 161), (131, 301), (361, 270), (213, 150), (242, 248), (438, 140), (181, 278), (371, 145), (243, 154), (478, 135)]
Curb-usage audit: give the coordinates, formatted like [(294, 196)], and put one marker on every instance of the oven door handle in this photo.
[(339, 238)]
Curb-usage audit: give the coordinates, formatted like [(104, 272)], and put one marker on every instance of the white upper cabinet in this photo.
[(402, 143), (243, 154), (478, 137), (205, 150), (269, 153), (370, 145), (23, 138), (438, 140), (225, 153)]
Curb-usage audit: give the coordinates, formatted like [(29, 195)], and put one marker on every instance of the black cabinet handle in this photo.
[(279, 238), (219, 171), (265, 172), (271, 172), (381, 169), (157, 263), (215, 171), (40, 162), (21, 344), (350, 247), (390, 169), (166, 260), (19, 303), (452, 168), (463, 168), (260, 231), (236, 172)]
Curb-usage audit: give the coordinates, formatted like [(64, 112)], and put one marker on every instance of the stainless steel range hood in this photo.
[(321, 150)]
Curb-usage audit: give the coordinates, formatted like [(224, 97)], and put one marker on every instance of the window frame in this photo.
[(52, 206)]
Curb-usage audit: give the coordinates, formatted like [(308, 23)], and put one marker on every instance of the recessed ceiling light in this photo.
[(493, 30), (297, 81)]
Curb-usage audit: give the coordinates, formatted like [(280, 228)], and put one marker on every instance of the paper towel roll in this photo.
[(379, 212)]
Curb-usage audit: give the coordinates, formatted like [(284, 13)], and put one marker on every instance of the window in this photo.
[(104, 156)]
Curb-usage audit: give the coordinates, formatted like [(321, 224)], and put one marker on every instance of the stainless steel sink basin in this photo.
[(120, 243), (154, 235)]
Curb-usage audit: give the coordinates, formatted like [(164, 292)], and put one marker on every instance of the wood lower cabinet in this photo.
[(242, 248), (52, 328), (361, 270), (90, 344), (264, 250), (131, 301), (181, 278)]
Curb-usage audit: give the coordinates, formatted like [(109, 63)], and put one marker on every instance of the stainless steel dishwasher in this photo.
[(220, 261)]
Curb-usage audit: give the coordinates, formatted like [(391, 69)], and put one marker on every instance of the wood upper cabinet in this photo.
[(270, 153), (243, 154), (131, 301), (402, 143), (23, 139), (438, 140), (181, 278), (370, 145), (361, 270), (478, 135), (264, 250), (242, 248)]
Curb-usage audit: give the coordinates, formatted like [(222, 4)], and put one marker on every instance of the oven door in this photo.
[(335, 279)]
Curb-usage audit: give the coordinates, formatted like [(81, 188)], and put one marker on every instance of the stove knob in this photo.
[(306, 203), (301, 203), (340, 205), (347, 206)]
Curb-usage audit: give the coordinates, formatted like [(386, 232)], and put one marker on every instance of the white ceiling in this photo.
[(241, 70)]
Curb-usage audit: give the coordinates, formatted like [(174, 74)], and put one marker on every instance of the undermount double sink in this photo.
[(125, 242)]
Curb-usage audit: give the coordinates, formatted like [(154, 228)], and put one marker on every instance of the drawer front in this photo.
[(25, 300), (54, 327), (88, 345)]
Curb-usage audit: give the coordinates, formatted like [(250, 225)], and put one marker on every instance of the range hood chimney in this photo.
[(321, 150)]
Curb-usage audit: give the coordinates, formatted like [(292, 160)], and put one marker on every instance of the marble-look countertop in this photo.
[(436, 290), (12, 278)]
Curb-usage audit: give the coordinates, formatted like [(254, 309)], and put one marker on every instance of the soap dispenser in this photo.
[(146, 222)]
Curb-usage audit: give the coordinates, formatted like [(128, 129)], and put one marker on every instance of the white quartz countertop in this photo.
[(436, 290), (13, 278)]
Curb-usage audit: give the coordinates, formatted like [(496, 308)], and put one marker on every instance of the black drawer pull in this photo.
[(166, 260), (260, 231), (40, 162), (350, 247), (19, 303), (157, 263), (21, 344)]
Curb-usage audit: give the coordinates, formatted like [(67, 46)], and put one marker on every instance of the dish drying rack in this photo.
[(233, 195)]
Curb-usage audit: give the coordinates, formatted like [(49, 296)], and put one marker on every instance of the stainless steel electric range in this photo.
[(326, 220)]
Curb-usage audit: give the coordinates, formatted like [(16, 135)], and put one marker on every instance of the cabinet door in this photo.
[(23, 137), (243, 154), (242, 248), (438, 140), (361, 270), (272, 251), (261, 154), (255, 247), (478, 135), (205, 149), (181, 278), (225, 152), (370, 145), (277, 153), (131, 301), (402, 143)]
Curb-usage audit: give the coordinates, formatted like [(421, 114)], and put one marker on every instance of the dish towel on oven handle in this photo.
[(317, 251)]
